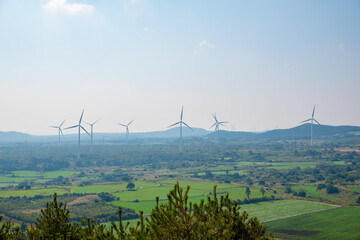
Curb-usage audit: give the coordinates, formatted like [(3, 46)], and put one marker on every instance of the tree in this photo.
[(130, 185), (8, 231), (215, 219), (331, 189), (302, 193), (262, 190), (54, 223), (288, 190), (248, 192), (249, 181)]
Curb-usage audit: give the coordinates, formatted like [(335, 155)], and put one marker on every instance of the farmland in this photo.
[(284, 182), (338, 223)]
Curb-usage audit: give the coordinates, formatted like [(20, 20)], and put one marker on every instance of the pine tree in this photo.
[(248, 192)]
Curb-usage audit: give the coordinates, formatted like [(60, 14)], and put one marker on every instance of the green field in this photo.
[(32, 192), (49, 174), (11, 179), (144, 198), (277, 165), (22, 176), (273, 210), (290, 165), (339, 223)]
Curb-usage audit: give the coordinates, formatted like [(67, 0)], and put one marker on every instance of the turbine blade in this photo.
[(212, 126), (81, 116), (96, 121), (187, 126), (313, 111), (53, 127), (221, 123), (71, 127), (84, 130), (182, 110), (61, 132), (316, 121), (306, 120), (62, 123), (122, 124), (130, 122), (173, 124)]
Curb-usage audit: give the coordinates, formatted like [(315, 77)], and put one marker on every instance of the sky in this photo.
[(259, 65)]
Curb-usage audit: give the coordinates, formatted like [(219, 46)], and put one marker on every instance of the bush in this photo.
[(321, 186), (130, 185), (302, 193), (288, 190), (331, 189)]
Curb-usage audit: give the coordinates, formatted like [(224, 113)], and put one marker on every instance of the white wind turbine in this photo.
[(217, 125), (60, 131), (181, 122), (79, 128), (312, 119), (127, 129), (92, 133)]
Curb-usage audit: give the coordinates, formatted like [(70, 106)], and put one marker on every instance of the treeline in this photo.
[(42, 157), (177, 219)]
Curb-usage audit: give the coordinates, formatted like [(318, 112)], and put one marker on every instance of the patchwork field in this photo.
[(338, 223)]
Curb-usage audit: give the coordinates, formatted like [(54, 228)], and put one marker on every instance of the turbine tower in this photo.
[(92, 133), (127, 129), (79, 128), (181, 123), (217, 125), (60, 131), (312, 119)]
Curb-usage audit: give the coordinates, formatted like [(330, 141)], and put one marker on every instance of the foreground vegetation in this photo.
[(177, 219)]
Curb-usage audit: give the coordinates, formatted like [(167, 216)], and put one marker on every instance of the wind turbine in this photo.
[(181, 123), (127, 129), (79, 128), (60, 131), (312, 119), (217, 125), (92, 133)]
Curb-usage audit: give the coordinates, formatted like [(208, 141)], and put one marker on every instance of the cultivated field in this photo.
[(338, 223)]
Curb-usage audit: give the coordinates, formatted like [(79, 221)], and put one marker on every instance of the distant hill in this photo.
[(319, 131), (17, 137), (14, 136), (299, 132)]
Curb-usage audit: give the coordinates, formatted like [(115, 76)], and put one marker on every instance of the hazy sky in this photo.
[(258, 64)]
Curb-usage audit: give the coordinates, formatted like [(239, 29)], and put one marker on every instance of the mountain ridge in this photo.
[(296, 133)]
